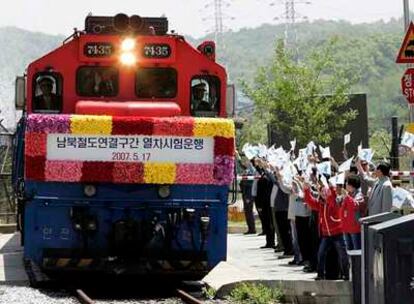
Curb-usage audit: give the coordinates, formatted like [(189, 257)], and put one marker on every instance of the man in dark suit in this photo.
[(47, 101)]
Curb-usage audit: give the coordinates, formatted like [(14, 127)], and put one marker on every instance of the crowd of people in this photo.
[(312, 214)]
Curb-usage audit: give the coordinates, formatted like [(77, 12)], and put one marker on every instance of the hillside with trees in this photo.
[(366, 50)]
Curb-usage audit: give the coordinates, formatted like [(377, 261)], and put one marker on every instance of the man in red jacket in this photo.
[(330, 228)]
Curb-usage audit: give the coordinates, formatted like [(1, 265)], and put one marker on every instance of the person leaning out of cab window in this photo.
[(47, 100), (198, 103)]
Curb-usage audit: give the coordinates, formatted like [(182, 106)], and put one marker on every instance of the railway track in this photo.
[(185, 297), (82, 297), (39, 280)]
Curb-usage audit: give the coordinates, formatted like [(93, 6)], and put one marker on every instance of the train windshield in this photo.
[(97, 81), (205, 96), (47, 95), (156, 83)]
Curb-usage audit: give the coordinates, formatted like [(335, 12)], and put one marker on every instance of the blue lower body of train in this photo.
[(125, 229)]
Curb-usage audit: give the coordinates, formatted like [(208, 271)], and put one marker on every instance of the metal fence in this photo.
[(7, 199)]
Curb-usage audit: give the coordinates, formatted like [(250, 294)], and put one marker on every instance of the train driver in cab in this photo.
[(198, 102), (46, 101)]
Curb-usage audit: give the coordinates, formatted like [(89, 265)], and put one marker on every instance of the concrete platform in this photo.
[(246, 262), (12, 270)]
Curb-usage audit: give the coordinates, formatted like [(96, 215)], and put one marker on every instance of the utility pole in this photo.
[(407, 21), (290, 28), (290, 16), (406, 14), (218, 18)]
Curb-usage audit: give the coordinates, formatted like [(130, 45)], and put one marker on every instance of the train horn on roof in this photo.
[(121, 22)]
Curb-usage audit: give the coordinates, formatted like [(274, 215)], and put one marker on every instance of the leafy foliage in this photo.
[(380, 142), (249, 293), (291, 96), (209, 292)]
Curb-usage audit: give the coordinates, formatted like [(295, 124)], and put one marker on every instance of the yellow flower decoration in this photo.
[(159, 173), (210, 127), (91, 124)]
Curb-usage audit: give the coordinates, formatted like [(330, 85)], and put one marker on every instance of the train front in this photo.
[(124, 155)]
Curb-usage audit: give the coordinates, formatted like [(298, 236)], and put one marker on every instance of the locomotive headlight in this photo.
[(89, 190), (128, 44), (164, 191), (128, 58), (91, 225)]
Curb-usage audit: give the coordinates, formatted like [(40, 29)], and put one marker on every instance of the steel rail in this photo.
[(83, 297), (187, 298)]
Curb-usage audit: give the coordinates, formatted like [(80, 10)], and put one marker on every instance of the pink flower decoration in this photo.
[(63, 171), (128, 173), (195, 174), (178, 126), (35, 144), (223, 169), (48, 123)]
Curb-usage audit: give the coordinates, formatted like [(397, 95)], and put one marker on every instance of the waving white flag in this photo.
[(346, 165), (293, 145), (310, 148), (408, 140), (400, 197), (347, 138), (338, 179), (366, 154), (326, 152), (324, 168)]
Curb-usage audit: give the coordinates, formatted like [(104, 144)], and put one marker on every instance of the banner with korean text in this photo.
[(84, 148)]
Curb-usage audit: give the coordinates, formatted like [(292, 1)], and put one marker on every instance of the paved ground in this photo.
[(244, 253), (247, 262), (11, 261)]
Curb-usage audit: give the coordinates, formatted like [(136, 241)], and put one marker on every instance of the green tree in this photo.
[(303, 100)]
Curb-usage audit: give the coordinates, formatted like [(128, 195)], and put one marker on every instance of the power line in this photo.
[(218, 18), (290, 17), (219, 15)]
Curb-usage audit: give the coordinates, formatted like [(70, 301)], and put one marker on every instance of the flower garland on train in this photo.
[(40, 168)]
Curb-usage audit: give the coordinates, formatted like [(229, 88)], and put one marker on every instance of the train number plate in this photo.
[(157, 51), (98, 49)]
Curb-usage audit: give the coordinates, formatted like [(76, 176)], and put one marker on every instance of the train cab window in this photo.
[(97, 81), (47, 95), (156, 83), (205, 96)]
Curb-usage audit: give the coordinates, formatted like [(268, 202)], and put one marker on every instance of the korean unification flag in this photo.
[(326, 152), (366, 154), (324, 168), (302, 161), (288, 172), (407, 140), (250, 151), (282, 159), (262, 150), (401, 197), (277, 157)]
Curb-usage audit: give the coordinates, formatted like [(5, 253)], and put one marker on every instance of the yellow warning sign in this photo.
[(410, 128), (406, 53)]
